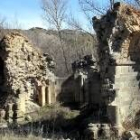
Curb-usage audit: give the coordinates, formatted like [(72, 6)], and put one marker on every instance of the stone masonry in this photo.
[(118, 34), (86, 81), (25, 79)]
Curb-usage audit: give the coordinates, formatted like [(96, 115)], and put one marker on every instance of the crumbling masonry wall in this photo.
[(86, 81), (24, 75), (118, 34)]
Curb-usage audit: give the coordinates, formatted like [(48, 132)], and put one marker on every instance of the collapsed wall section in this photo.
[(25, 73)]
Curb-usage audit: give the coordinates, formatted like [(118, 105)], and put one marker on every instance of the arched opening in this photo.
[(46, 95)]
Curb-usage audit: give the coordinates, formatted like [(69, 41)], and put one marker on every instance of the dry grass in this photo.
[(54, 111), (14, 137), (54, 118)]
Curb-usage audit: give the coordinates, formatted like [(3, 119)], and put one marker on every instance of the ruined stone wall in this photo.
[(65, 89), (86, 81), (118, 34), (24, 70)]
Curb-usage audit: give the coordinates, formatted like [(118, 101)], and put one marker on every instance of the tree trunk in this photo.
[(63, 52)]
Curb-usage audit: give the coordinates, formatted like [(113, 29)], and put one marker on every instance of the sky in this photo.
[(28, 13)]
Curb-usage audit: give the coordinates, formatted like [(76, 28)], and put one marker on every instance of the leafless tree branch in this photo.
[(55, 14)]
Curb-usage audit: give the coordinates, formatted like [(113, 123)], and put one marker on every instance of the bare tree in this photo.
[(2, 26), (76, 26), (138, 2), (2, 22), (135, 3), (111, 4), (55, 14), (91, 7)]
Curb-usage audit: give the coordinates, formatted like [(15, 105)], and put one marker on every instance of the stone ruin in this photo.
[(112, 83), (26, 81), (87, 81), (110, 87), (118, 35)]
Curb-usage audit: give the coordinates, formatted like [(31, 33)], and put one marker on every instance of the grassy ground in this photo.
[(14, 137), (54, 111), (50, 120)]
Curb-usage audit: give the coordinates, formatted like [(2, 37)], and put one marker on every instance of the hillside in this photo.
[(76, 44)]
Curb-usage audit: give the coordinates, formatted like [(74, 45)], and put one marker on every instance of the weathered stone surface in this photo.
[(86, 79), (23, 69), (130, 135), (118, 34), (97, 131)]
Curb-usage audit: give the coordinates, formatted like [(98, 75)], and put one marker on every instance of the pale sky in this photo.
[(28, 13)]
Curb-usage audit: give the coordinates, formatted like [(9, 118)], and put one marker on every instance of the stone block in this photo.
[(2, 114), (42, 95), (124, 79), (118, 85), (24, 68), (131, 135)]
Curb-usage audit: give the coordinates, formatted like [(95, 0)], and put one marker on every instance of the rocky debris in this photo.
[(49, 61), (92, 131), (28, 118), (130, 135), (109, 93), (118, 35), (2, 114), (85, 62), (96, 131)]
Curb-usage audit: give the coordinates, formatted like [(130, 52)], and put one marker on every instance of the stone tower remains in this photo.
[(118, 34)]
